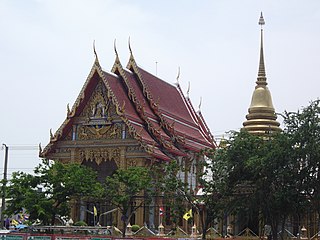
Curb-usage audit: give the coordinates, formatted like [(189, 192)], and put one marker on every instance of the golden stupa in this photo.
[(262, 118)]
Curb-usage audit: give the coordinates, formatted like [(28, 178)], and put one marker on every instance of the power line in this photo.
[(16, 147)]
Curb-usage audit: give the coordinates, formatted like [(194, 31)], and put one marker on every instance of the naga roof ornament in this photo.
[(178, 76), (94, 51), (199, 107)]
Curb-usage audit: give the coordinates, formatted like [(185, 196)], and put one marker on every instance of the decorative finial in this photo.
[(188, 91), (200, 104), (40, 148), (94, 50), (68, 110), (261, 20), (51, 135), (178, 76), (115, 50), (129, 46), (262, 70)]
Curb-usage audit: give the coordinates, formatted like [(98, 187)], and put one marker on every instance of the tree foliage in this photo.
[(273, 176), (48, 192), (173, 191), (128, 189), (262, 178), (303, 128), (209, 203)]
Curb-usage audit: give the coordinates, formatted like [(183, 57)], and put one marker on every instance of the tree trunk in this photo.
[(203, 224), (274, 227), (282, 228), (124, 228)]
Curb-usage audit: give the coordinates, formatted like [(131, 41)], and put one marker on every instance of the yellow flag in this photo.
[(188, 215), (14, 222), (95, 212)]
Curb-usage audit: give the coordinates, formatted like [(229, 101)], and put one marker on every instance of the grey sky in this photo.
[(46, 54)]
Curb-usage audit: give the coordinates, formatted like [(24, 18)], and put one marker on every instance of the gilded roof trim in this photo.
[(117, 67), (168, 128)]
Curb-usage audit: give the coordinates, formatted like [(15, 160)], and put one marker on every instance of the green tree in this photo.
[(128, 189), (178, 197), (303, 127), (262, 178), (210, 204), (48, 193), (173, 190)]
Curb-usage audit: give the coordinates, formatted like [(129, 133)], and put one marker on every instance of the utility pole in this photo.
[(4, 184)]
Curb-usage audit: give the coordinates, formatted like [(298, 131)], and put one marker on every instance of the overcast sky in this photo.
[(46, 54)]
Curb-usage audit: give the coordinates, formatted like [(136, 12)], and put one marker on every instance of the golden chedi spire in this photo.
[(261, 118)]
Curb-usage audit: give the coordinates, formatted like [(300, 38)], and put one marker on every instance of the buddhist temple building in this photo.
[(261, 118), (128, 117)]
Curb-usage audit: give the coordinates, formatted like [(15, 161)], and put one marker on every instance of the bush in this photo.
[(135, 228), (80, 223)]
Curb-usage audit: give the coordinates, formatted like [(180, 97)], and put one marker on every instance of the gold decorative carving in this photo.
[(69, 136), (99, 155), (100, 109), (89, 132), (132, 162), (135, 149)]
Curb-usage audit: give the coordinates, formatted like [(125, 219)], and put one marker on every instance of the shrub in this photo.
[(135, 228), (80, 223)]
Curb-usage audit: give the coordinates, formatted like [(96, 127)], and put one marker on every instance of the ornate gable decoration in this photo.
[(99, 115)]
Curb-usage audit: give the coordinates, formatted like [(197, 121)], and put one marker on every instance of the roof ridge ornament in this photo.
[(200, 104), (68, 110), (40, 148), (51, 134), (130, 47), (115, 50), (188, 91), (178, 76), (94, 51)]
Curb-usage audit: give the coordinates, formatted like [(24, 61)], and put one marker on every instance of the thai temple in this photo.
[(128, 117)]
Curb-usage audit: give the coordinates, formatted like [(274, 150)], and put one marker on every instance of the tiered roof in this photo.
[(156, 113)]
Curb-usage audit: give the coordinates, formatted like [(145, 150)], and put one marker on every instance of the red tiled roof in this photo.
[(168, 97), (156, 112), (176, 109)]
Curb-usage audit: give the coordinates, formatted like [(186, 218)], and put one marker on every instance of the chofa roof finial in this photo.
[(200, 104), (188, 91), (94, 50), (178, 76), (115, 50), (129, 46)]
